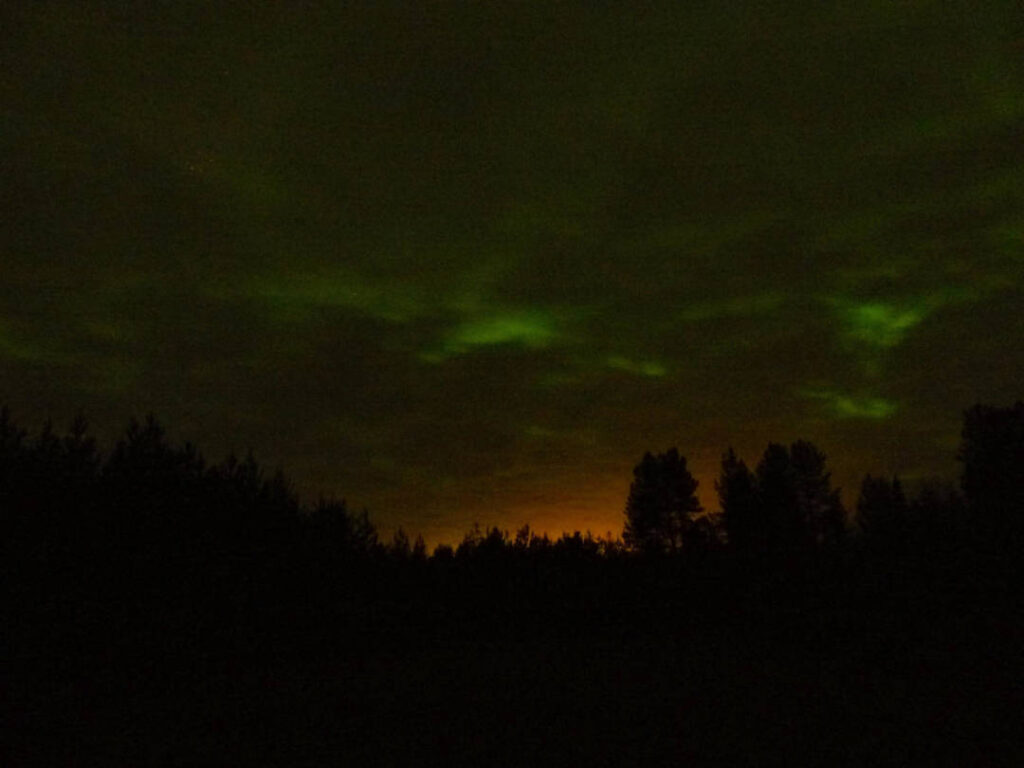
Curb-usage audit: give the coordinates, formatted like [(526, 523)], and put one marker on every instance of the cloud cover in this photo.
[(466, 262)]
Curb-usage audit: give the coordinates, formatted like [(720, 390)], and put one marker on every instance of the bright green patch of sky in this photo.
[(864, 408), (648, 368), (880, 324), (601, 190), (885, 323), (524, 329), (847, 406), (529, 329)]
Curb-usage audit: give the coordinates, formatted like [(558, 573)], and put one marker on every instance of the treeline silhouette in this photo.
[(163, 608)]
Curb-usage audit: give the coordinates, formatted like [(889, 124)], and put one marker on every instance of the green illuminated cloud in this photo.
[(864, 408), (880, 324), (846, 406), (291, 217), (648, 368), (529, 329), (526, 329)]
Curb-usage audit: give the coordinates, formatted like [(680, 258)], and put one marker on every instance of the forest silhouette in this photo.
[(160, 608)]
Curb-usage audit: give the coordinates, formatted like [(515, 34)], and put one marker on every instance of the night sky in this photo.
[(467, 261)]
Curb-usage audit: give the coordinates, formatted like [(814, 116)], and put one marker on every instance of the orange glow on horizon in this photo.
[(597, 508)]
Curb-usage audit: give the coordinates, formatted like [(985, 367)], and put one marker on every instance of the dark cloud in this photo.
[(461, 263)]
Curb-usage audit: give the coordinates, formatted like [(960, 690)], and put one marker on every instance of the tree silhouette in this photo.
[(661, 505), (443, 553), (494, 546), (786, 505), (737, 498), (883, 513), (939, 520), (63, 474), (992, 453), (777, 501), (820, 508), (419, 549), (152, 488), (334, 532), (153, 566), (527, 542), (577, 546), (47, 489), (400, 547)]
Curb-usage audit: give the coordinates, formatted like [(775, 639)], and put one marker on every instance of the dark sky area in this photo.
[(466, 261)]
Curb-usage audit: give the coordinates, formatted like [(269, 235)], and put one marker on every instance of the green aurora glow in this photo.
[(462, 262)]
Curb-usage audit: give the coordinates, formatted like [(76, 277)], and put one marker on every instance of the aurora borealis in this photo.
[(462, 262)]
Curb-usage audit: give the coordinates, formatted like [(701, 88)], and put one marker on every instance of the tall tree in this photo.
[(777, 501), (737, 498), (400, 547), (153, 489), (820, 507), (882, 512), (992, 453), (661, 505), (797, 505), (335, 532)]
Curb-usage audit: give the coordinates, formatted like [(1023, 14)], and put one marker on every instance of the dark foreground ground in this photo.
[(592, 664)]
